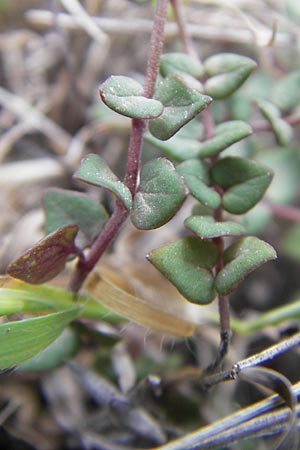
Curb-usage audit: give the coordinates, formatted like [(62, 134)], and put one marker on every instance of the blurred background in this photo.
[(53, 56)]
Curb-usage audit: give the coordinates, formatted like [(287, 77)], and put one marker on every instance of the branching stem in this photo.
[(120, 214)]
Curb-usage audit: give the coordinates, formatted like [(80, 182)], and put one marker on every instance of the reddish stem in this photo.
[(120, 214), (108, 233), (156, 47), (134, 154)]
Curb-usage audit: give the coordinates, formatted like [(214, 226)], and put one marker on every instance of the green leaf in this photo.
[(94, 170), (47, 258), (160, 194), (240, 259), (284, 162), (64, 207), (177, 148), (201, 210), (195, 174), (290, 242), (292, 8), (186, 66), (226, 134), (27, 300), (207, 228), (282, 129), (187, 263), (244, 181), (57, 353), (125, 96), (181, 104), (18, 296), (256, 220), (286, 92), (180, 63), (23, 339), (184, 145), (226, 72)]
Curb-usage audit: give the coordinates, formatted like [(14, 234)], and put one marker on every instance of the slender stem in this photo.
[(134, 154), (223, 305), (156, 47), (223, 302), (209, 125), (108, 233), (120, 213)]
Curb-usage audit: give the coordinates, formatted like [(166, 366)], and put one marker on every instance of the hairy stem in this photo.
[(134, 154), (156, 47), (85, 265)]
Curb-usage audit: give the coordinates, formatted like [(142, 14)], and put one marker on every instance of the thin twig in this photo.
[(252, 361)]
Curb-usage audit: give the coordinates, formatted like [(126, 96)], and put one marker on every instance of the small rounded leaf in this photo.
[(181, 104), (244, 181), (286, 92), (160, 195), (285, 187), (195, 175), (63, 207), (187, 263), (180, 63), (240, 259), (177, 148), (226, 134), (226, 72), (94, 170), (125, 96), (207, 228), (282, 129), (47, 258)]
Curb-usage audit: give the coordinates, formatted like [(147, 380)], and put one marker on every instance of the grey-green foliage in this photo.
[(232, 184)]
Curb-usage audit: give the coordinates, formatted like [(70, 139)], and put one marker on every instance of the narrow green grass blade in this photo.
[(23, 339)]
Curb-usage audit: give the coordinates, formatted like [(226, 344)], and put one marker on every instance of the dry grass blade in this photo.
[(37, 120), (80, 15), (255, 421), (118, 26), (258, 420)]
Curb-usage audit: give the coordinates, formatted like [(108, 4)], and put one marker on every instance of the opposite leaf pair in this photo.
[(188, 263)]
